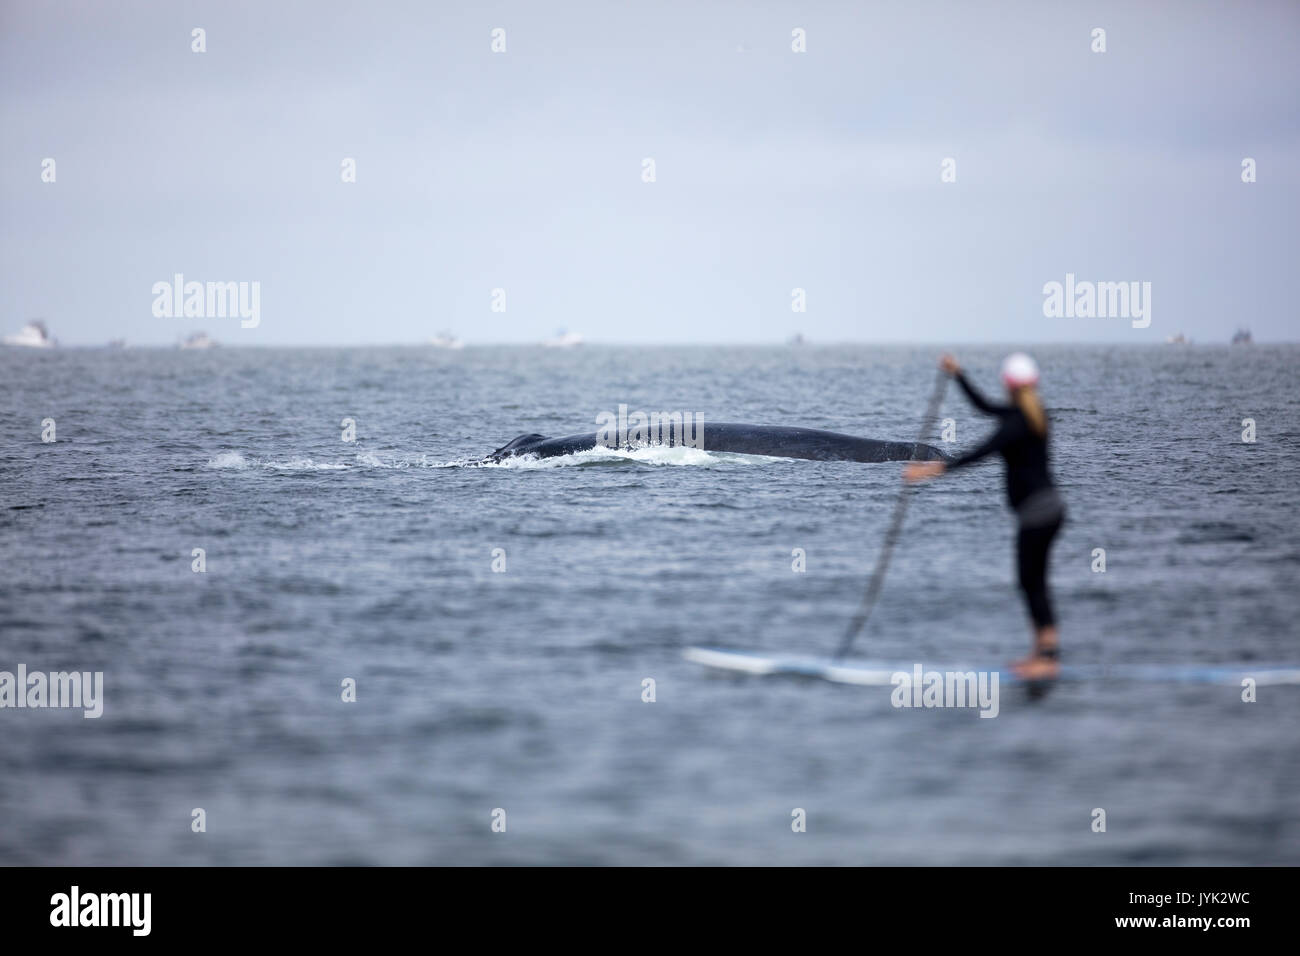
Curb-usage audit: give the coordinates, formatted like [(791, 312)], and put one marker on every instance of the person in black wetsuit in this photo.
[(1021, 438)]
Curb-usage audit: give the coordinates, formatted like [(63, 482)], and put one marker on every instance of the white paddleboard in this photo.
[(877, 673)]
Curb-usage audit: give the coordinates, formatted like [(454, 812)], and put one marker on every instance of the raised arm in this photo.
[(949, 364), (975, 395), (1010, 428)]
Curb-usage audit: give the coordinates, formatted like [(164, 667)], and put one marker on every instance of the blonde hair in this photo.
[(1027, 400)]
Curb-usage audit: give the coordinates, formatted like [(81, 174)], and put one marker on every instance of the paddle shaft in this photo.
[(877, 579)]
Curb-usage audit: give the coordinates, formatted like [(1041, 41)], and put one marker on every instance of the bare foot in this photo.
[(1036, 668)]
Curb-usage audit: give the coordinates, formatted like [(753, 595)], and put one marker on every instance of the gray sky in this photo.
[(775, 169)]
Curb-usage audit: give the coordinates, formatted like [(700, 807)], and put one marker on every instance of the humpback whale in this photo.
[(777, 441)]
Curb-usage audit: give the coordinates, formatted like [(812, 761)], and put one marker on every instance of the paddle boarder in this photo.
[(1021, 439)]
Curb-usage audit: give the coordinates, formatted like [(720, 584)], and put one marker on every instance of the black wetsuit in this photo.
[(1030, 491)]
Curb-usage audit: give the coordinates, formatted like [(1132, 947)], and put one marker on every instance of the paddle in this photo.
[(877, 579)]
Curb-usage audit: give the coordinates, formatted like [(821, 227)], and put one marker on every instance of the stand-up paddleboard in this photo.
[(877, 673)]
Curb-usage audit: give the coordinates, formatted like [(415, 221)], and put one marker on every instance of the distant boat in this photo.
[(445, 340), (198, 340), (33, 335), (116, 344), (1178, 339), (1242, 337), (797, 339), (563, 340)]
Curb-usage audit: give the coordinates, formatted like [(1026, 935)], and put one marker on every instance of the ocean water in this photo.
[(521, 690)]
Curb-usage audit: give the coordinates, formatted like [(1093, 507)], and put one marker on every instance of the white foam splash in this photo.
[(235, 461), (228, 459), (659, 455), (304, 464), (676, 455), (371, 460)]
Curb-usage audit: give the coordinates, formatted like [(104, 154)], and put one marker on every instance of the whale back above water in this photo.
[(776, 441)]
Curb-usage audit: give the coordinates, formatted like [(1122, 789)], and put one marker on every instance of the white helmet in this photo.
[(1018, 370)]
